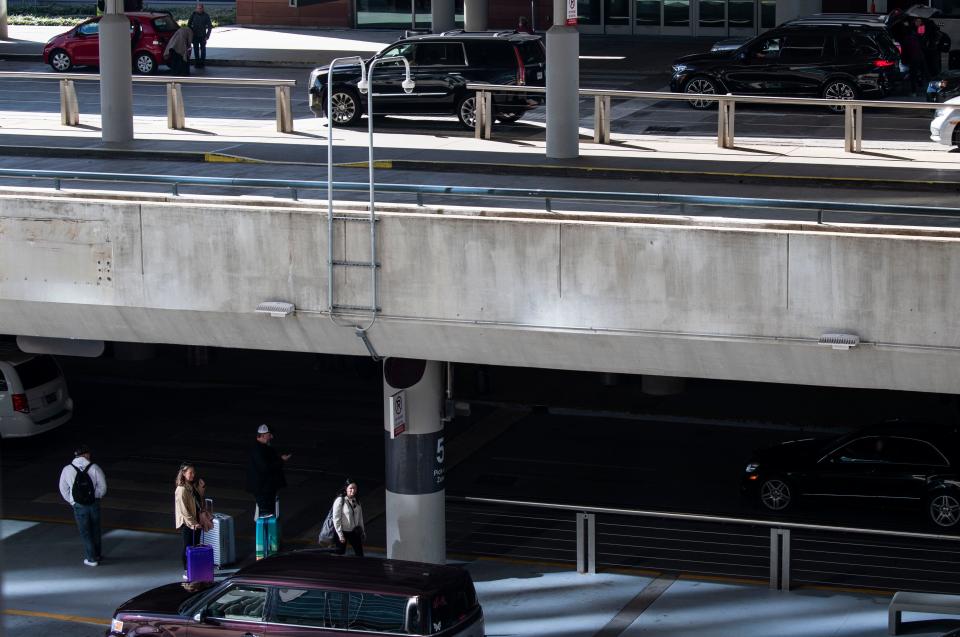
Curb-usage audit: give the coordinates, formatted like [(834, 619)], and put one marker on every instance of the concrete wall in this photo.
[(739, 300)]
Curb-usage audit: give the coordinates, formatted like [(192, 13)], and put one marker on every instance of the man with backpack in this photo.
[(82, 485)]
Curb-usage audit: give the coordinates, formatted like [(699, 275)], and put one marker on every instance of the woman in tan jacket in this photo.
[(186, 502)]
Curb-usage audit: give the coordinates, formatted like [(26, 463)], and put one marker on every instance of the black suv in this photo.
[(441, 65), (893, 462), (834, 60)]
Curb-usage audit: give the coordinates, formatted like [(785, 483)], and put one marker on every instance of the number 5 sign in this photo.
[(398, 414), (571, 13)]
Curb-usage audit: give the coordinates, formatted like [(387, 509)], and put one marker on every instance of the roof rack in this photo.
[(453, 32)]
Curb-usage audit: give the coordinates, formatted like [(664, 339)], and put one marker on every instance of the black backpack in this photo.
[(83, 491)]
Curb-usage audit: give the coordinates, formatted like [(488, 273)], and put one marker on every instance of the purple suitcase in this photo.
[(200, 563)]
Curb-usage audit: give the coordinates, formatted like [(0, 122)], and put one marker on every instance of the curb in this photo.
[(103, 153)]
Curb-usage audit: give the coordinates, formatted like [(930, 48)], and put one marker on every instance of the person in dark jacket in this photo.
[(914, 58), (265, 472), (201, 26)]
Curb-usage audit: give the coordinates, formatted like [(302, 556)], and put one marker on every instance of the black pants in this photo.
[(199, 52), (191, 537), (178, 65), (355, 538), (266, 503)]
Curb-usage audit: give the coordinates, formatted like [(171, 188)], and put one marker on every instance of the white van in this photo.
[(33, 393)]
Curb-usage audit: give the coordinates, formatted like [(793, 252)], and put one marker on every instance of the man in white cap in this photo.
[(265, 472)]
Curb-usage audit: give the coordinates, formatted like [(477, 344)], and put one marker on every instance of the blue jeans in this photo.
[(88, 523)]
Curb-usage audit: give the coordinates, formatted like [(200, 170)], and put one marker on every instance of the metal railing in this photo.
[(726, 110), (294, 187), (176, 115), (781, 552)]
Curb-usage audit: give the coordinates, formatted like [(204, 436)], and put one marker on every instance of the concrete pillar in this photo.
[(563, 84), (475, 14), (116, 83), (415, 481), (443, 16), (790, 9), (3, 20)]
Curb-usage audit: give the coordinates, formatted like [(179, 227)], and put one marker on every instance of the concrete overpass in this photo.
[(696, 297)]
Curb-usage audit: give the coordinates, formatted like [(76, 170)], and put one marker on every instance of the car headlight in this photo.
[(752, 467), (680, 68), (116, 626)]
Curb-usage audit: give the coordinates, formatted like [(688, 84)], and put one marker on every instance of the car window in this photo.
[(806, 48), (497, 54), (439, 54), (768, 48), (912, 451), (90, 28), (37, 371), (394, 53), (239, 602), (3, 382), (868, 449), (381, 613), (855, 45), (451, 606), (311, 607), (531, 52), (165, 24)]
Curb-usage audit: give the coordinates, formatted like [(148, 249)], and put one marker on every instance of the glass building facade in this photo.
[(398, 14)]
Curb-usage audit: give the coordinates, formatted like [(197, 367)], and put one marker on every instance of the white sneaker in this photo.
[(91, 563)]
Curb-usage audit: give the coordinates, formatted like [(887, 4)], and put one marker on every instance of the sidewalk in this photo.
[(47, 591)]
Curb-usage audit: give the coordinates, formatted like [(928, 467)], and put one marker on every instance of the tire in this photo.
[(776, 494), (347, 110), (509, 118), (701, 84), (467, 111), (956, 136), (144, 64), (60, 61), (943, 509), (838, 90)]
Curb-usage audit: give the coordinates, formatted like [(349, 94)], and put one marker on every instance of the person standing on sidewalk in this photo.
[(83, 485), (265, 475), (187, 507), (348, 520), (201, 26)]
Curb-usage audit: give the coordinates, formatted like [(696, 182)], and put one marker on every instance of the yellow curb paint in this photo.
[(220, 158), (377, 163), (76, 619)]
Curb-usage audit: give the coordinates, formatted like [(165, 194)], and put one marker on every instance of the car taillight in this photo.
[(882, 64), (521, 69), (20, 403)]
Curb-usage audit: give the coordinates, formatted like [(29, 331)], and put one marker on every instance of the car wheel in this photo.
[(956, 136), (839, 90), (776, 494), (467, 111), (60, 61), (702, 85), (345, 107), (943, 507), (508, 118), (144, 64)]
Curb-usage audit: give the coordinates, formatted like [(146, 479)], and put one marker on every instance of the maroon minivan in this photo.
[(312, 593)]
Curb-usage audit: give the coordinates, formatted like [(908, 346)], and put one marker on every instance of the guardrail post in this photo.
[(858, 128), (601, 119), (780, 559), (726, 109), (284, 114), (175, 115), (483, 115), (586, 543), (69, 110)]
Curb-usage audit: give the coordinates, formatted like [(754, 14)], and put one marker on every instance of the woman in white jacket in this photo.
[(348, 520)]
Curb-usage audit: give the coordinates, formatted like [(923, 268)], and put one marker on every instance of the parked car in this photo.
[(944, 87), (945, 127), (80, 46), (441, 66), (831, 60), (891, 462), (33, 394), (312, 593)]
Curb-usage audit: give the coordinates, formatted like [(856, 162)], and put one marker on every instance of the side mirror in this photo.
[(201, 616)]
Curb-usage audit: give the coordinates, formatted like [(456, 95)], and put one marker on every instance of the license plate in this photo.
[(539, 75), (50, 399)]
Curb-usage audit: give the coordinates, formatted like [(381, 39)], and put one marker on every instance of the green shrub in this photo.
[(67, 15)]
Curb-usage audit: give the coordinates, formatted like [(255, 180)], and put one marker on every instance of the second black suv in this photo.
[(441, 66), (830, 60)]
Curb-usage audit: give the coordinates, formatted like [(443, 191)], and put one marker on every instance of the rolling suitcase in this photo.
[(222, 538), (267, 536), (199, 563)]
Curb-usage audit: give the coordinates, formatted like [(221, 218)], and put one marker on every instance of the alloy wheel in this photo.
[(60, 61), (145, 64), (701, 85), (344, 108), (775, 494), (468, 112), (945, 510)]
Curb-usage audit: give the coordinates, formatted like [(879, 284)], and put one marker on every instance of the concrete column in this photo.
[(415, 481), (563, 84), (790, 9), (443, 16), (116, 83), (475, 13), (3, 20)]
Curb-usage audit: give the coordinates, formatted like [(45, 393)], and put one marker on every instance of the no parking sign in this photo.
[(571, 13), (398, 413)]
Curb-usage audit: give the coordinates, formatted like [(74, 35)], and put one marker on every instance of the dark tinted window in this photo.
[(806, 48), (450, 607), (303, 607), (37, 371), (854, 45), (239, 602), (867, 449), (439, 54), (3, 382), (911, 451), (381, 613), (165, 24), (768, 48), (531, 52), (498, 54)]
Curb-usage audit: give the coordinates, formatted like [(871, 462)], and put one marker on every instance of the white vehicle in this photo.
[(33, 393), (944, 128)]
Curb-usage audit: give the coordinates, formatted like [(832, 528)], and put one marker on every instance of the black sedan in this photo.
[(894, 462)]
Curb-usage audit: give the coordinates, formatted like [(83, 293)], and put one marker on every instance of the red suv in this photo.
[(80, 46)]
